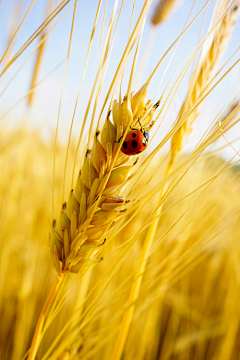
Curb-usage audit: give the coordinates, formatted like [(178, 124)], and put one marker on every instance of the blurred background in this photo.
[(189, 300)]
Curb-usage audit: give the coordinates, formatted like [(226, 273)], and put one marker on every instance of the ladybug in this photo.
[(135, 142)]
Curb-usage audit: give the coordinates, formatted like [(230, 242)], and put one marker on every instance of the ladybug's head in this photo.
[(145, 134)]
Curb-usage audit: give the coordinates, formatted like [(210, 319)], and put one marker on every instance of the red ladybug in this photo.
[(135, 142)]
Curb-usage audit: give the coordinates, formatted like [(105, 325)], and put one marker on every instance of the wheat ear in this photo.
[(199, 81), (163, 10), (93, 205), (39, 58)]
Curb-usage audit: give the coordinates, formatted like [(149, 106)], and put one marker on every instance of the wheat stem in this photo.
[(38, 331), (39, 58), (30, 7), (135, 289)]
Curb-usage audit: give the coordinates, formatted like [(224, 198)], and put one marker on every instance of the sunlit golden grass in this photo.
[(190, 293), (108, 252)]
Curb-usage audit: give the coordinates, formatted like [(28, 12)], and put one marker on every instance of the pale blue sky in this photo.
[(44, 111)]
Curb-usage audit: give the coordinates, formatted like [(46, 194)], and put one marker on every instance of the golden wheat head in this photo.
[(95, 203)]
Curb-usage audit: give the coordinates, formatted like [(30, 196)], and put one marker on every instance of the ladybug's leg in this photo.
[(119, 139), (140, 125)]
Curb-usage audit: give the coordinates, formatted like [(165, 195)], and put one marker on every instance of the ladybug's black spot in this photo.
[(138, 152), (124, 145), (134, 135), (134, 144)]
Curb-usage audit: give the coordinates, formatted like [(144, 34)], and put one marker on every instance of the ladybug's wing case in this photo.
[(135, 142), (126, 146)]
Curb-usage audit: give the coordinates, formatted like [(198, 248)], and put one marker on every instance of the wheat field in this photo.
[(107, 251)]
